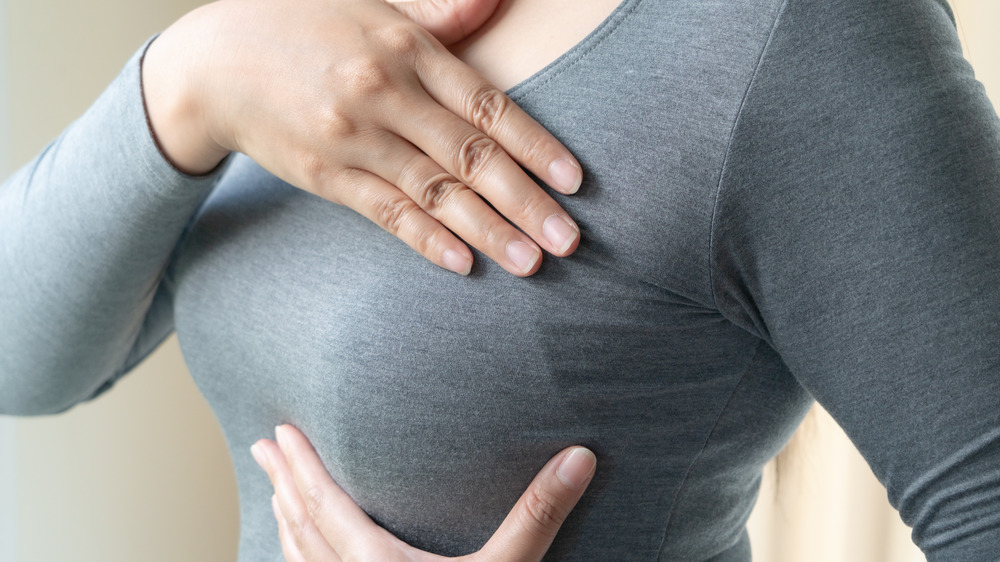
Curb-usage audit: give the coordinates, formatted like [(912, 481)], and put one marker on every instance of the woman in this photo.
[(782, 200)]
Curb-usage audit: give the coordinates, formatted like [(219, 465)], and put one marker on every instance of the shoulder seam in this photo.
[(729, 146)]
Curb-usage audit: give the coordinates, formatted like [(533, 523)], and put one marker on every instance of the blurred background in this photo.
[(144, 474)]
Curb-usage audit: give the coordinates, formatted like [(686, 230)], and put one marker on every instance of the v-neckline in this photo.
[(576, 52)]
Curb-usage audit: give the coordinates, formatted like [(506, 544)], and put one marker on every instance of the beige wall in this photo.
[(8, 507), (143, 473)]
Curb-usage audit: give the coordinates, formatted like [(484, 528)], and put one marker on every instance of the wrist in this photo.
[(176, 113)]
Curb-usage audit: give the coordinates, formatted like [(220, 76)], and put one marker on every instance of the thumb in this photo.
[(529, 528), (448, 20)]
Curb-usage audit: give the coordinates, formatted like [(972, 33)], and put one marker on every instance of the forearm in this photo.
[(86, 230)]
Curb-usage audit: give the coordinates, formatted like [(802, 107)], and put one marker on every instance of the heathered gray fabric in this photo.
[(782, 200)]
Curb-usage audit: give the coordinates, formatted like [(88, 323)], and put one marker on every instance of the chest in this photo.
[(523, 36), (413, 382)]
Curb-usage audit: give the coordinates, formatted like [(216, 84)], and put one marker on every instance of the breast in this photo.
[(433, 399)]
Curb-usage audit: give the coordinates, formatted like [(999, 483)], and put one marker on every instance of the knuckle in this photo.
[(493, 233), (314, 500), (525, 209), (301, 544), (544, 515), (366, 75), (475, 154), (403, 39), (535, 149), (424, 241), (392, 213), (336, 124), (297, 529), (436, 191), (312, 168), (334, 186), (487, 106)]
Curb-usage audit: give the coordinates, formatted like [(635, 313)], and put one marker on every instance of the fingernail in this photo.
[(279, 436), (566, 175), (523, 255), (259, 455), (456, 262), (560, 232), (576, 468)]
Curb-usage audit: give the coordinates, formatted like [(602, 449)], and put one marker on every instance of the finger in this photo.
[(452, 203), (481, 163), (460, 89), (388, 207), (529, 528), (448, 20), (304, 536), (288, 547), (344, 525)]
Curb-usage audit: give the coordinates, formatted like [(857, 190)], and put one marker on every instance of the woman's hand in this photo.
[(319, 522), (353, 101)]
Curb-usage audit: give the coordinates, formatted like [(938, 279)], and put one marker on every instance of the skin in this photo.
[(384, 120), (524, 36)]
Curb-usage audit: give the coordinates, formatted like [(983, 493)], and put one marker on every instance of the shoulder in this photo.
[(864, 139), (834, 60), (858, 98)]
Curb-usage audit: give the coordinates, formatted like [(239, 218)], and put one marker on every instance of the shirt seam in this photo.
[(715, 426), (725, 159)]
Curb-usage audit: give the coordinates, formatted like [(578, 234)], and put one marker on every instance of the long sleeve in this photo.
[(858, 233), (86, 231)]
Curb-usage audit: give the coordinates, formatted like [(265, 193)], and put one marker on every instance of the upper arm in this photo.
[(858, 232), (87, 230)]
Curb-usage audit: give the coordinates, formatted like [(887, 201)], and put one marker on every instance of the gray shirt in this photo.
[(784, 200)]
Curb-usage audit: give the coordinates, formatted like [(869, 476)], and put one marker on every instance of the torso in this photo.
[(433, 399)]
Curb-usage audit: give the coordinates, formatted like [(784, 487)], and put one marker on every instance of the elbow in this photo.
[(19, 403), (954, 507), (38, 393)]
